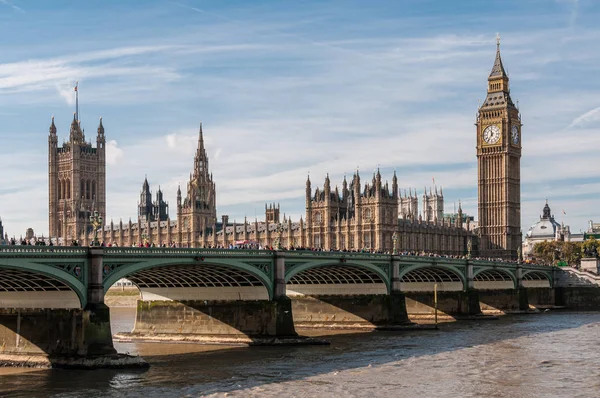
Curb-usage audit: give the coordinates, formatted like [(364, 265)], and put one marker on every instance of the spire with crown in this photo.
[(498, 69), (498, 92)]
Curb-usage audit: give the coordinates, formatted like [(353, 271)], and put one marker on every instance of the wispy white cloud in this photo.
[(12, 5), (573, 7), (279, 102), (588, 117)]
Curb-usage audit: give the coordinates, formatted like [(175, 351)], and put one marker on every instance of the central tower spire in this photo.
[(498, 79), (201, 159)]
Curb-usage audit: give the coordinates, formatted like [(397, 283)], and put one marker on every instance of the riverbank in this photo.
[(119, 361), (122, 297)]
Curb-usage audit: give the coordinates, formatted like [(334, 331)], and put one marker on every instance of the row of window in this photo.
[(88, 189)]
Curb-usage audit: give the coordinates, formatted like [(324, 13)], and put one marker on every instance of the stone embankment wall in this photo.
[(421, 304), (55, 332), (578, 298), (577, 290), (118, 296), (223, 318), (569, 277), (356, 311)]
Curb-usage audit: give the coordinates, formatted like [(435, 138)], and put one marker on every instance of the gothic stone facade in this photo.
[(77, 181), (357, 218), (354, 218)]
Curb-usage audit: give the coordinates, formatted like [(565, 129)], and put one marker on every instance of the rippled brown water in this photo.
[(541, 355)]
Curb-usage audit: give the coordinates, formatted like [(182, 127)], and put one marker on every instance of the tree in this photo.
[(545, 251), (570, 252), (590, 247), (551, 252)]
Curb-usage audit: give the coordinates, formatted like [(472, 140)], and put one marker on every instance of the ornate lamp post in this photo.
[(519, 255), (96, 221), (395, 242), (278, 240), (469, 247)]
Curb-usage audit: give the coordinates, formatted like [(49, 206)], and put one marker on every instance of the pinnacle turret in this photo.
[(76, 134), (201, 139), (201, 159), (100, 128), (52, 127)]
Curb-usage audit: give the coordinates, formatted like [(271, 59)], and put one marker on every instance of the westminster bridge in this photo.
[(52, 298)]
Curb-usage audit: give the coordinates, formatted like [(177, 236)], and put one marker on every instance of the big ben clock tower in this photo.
[(499, 168)]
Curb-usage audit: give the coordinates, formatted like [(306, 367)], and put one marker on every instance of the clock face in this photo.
[(514, 134), (491, 134)]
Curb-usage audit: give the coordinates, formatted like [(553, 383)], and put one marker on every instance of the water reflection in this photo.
[(547, 355)]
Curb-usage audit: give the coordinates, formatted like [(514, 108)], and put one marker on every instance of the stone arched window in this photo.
[(68, 196), (88, 189), (318, 217), (317, 241), (93, 189), (367, 215), (367, 240)]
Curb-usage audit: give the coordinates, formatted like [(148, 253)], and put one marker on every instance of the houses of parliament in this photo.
[(361, 215)]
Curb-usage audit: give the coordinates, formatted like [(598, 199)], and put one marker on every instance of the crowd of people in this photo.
[(256, 246)]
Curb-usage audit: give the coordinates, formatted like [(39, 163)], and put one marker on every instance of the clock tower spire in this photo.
[(499, 167)]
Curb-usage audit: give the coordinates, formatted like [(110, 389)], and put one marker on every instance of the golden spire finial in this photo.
[(498, 39)]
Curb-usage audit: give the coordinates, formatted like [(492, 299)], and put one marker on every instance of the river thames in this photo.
[(553, 354)]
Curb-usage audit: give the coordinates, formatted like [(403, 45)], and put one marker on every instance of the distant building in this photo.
[(547, 229), (593, 231), (433, 205), (152, 211), (468, 222), (409, 206), (3, 237)]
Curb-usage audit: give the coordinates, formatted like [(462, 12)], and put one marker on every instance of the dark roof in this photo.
[(498, 68)]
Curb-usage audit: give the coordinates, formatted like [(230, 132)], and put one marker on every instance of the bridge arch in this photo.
[(534, 278), (494, 278), (60, 289), (422, 277), (334, 276), (195, 279)]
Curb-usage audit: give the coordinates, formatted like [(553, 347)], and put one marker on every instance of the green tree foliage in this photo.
[(551, 252), (590, 247)]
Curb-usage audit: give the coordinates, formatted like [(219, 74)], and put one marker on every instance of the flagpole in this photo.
[(76, 101)]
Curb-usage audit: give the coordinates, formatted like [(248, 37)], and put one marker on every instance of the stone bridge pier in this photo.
[(53, 315), (209, 297), (344, 292)]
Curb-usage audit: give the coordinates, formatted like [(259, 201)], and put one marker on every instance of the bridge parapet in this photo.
[(6, 251), (164, 251), (307, 254)]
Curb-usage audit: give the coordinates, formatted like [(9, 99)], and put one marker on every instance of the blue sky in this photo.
[(284, 88)]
